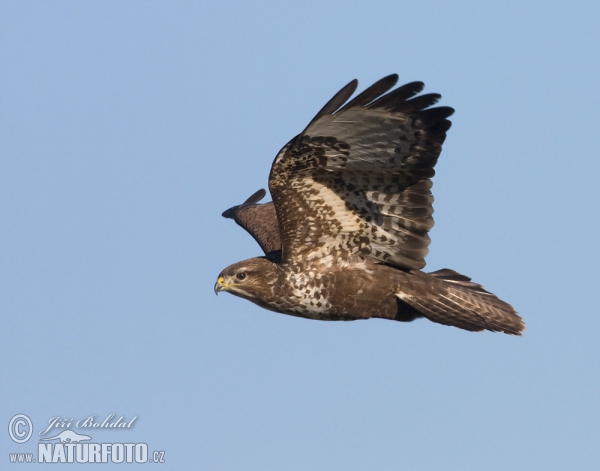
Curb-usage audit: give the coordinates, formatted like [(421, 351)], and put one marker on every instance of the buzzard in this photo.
[(346, 234)]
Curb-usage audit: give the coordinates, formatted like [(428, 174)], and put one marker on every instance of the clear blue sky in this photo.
[(128, 127)]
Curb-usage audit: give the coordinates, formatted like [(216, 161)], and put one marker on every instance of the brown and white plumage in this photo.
[(347, 232), (260, 220)]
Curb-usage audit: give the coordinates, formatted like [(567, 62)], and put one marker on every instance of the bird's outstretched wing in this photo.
[(260, 220), (356, 181)]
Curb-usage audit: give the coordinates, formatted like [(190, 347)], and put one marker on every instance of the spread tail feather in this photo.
[(449, 298)]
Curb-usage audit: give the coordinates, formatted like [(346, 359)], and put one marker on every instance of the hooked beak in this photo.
[(219, 286)]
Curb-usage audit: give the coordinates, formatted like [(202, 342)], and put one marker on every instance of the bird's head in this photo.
[(249, 279)]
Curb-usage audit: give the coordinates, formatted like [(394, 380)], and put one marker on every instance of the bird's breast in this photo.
[(347, 293)]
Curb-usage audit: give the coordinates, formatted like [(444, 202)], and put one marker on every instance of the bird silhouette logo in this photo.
[(68, 436)]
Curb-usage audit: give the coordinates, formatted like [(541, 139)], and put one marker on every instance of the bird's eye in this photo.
[(241, 275)]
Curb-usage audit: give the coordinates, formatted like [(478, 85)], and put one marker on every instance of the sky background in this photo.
[(128, 127)]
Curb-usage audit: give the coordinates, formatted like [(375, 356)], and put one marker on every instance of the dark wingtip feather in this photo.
[(338, 100), (434, 120), (398, 96), (230, 213), (418, 103), (256, 197), (376, 90)]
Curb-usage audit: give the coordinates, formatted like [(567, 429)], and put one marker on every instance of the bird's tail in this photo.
[(453, 299)]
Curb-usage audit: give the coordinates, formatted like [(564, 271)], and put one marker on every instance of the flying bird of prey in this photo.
[(346, 234)]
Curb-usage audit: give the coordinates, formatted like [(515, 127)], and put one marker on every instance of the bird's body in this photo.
[(322, 293), (346, 235)]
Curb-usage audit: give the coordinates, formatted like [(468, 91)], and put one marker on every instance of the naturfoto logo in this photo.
[(59, 443)]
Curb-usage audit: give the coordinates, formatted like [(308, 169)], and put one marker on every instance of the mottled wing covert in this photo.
[(357, 180)]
